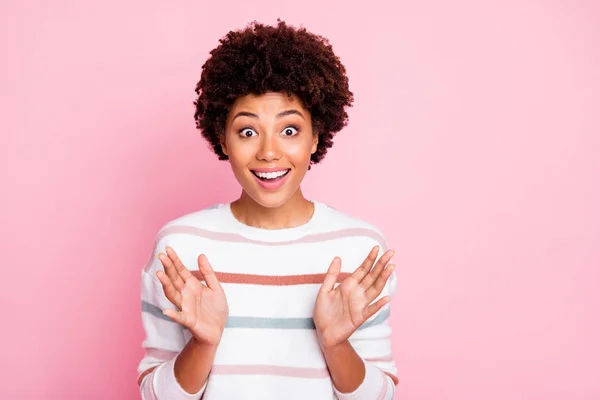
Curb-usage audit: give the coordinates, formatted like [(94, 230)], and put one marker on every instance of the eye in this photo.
[(247, 132), (290, 131)]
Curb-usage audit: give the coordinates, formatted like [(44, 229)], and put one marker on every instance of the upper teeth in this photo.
[(271, 175)]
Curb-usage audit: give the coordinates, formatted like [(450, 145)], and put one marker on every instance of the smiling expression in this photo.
[(269, 141)]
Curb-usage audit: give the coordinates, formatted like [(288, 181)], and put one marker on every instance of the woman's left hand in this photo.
[(339, 311)]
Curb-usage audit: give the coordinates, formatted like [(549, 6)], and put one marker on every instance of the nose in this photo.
[(269, 148)]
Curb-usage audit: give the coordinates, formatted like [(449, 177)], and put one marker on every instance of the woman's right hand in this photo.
[(203, 308)]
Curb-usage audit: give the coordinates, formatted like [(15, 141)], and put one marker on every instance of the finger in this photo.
[(374, 273), (332, 274), (170, 291), (380, 282), (174, 315), (188, 305), (170, 270), (181, 269), (370, 310), (365, 267), (208, 273)]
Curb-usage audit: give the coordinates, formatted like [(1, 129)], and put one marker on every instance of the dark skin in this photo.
[(272, 131), (338, 312), (203, 310)]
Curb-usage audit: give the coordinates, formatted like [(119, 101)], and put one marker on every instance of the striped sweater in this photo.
[(269, 348)]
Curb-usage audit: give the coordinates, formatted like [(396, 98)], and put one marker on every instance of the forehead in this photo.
[(268, 103)]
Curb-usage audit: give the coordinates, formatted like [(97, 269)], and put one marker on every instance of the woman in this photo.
[(276, 296)]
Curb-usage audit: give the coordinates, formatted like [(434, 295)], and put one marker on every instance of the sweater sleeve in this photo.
[(164, 339), (373, 343), (376, 386)]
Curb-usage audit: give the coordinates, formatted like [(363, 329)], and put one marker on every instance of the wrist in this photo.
[(328, 345), (207, 346)]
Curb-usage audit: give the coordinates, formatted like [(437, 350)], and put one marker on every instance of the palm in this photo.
[(339, 311), (202, 308), (203, 311)]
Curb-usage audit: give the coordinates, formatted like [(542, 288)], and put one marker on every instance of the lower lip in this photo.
[(272, 184)]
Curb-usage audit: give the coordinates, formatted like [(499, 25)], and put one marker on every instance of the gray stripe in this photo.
[(270, 323), (154, 310), (382, 316), (267, 323)]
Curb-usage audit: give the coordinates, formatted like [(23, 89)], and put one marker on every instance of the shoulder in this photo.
[(208, 223), (206, 218), (186, 231), (361, 235), (333, 219)]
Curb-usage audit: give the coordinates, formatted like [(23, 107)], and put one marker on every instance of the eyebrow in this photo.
[(281, 114)]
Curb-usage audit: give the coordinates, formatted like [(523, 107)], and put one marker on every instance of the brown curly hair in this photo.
[(263, 58)]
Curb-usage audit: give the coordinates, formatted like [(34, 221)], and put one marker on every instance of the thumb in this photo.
[(173, 314)]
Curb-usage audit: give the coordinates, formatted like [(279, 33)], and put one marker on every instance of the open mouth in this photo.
[(271, 176)]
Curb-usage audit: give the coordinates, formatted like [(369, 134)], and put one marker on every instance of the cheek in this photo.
[(239, 154), (300, 151)]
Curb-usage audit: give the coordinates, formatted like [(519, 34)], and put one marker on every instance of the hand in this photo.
[(204, 309), (340, 311)]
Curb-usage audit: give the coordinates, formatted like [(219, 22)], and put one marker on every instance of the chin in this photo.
[(270, 200)]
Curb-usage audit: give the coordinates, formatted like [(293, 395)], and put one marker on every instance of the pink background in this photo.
[(474, 144)]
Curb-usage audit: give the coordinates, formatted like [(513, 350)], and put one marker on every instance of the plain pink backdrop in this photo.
[(474, 144)]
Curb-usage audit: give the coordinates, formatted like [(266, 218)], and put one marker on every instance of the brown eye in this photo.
[(247, 132), (290, 131)]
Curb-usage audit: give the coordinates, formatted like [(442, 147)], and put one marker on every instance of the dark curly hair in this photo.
[(262, 58)]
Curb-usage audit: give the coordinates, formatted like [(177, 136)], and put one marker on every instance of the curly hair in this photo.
[(263, 58)]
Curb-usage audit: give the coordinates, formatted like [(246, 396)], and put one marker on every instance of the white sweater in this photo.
[(269, 349)]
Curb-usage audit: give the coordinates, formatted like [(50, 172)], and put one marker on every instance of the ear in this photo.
[(315, 142), (223, 144)]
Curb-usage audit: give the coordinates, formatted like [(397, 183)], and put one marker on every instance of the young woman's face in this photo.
[(269, 141)]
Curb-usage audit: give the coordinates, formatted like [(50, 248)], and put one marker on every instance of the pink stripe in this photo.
[(234, 237), (153, 254), (384, 388), (148, 387), (295, 372), (382, 358), (163, 355)]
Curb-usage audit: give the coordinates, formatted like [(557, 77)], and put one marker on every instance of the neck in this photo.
[(295, 212)]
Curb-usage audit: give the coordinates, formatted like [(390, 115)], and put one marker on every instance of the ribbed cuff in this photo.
[(167, 387), (375, 386)]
